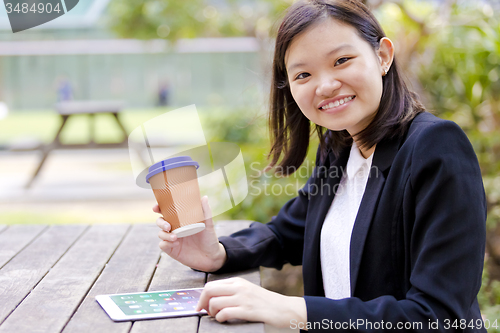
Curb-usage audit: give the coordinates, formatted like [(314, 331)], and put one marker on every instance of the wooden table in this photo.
[(91, 108), (50, 275)]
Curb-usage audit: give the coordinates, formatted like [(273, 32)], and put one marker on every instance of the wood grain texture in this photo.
[(252, 275), (51, 304), (22, 273), (129, 270), (210, 325), (15, 238), (50, 279)]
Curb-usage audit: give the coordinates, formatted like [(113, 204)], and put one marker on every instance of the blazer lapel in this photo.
[(382, 160), (319, 205)]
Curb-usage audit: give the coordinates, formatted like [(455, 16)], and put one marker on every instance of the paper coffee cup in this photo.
[(175, 185)]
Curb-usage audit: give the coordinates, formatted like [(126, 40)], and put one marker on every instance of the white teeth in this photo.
[(337, 103)]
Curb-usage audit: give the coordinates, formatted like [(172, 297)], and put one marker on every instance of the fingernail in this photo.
[(165, 226)]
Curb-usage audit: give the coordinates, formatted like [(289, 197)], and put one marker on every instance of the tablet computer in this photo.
[(151, 305)]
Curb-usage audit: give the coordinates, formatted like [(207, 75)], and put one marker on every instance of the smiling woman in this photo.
[(397, 240), (330, 50), (337, 87)]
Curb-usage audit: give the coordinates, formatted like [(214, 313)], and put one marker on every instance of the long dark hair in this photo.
[(290, 130)]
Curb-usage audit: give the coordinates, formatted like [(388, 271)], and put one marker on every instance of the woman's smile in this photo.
[(336, 104)]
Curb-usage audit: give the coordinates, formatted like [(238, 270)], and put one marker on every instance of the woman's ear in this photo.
[(385, 54)]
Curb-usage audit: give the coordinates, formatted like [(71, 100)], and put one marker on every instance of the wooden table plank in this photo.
[(23, 272), (15, 238), (50, 305), (171, 274), (252, 275), (210, 325), (129, 270)]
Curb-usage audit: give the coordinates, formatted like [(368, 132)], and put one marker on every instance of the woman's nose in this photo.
[(327, 86)]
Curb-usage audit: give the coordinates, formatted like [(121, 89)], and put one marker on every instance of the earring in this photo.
[(385, 71)]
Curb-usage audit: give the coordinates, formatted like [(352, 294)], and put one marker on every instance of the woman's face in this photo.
[(335, 76)]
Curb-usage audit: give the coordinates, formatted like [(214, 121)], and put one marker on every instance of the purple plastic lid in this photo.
[(170, 163)]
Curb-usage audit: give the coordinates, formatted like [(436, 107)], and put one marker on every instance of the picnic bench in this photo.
[(50, 275), (67, 109)]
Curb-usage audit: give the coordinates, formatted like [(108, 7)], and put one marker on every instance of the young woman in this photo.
[(389, 229)]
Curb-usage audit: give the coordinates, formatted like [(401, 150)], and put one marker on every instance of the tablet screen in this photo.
[(157, 302)]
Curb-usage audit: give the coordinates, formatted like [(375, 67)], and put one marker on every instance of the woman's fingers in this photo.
[(164, 233), (162, 224), (167, 247), (156, 209), (167, 236), (207, 212), (223, 300), (235, 312), (216, 304), (215, 289)]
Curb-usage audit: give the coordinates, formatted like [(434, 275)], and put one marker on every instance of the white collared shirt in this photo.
[(338, 225)]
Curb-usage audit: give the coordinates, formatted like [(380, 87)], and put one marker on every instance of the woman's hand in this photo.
[(236, 298), (201, 251)]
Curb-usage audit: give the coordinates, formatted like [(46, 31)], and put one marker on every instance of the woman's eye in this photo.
[(302, 76), (341, 61)]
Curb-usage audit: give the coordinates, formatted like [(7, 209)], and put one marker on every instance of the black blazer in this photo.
[(417, 246)]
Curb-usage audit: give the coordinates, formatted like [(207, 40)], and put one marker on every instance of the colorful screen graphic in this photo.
[(156, 302)]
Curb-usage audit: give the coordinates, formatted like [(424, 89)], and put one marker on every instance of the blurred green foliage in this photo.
[(489, 299), (460, 76), (267, 192), (146, 19), (150, 19)]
